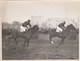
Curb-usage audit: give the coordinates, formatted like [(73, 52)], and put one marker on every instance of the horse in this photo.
[(27, 35), (63, 35), (6, 32)]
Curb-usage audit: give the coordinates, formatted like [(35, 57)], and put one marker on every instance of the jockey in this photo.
[(25, 25), (62, 25)]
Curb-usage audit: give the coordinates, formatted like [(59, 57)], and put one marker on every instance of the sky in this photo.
[(22, 11)]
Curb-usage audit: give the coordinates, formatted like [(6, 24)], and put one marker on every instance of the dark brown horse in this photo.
[(27, 35), (6, 32), (63, 35)]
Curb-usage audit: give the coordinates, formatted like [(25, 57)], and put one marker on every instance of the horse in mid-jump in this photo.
[(63, 35), (27, 35)]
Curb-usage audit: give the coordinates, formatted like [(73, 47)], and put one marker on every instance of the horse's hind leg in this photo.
[(28, 42), (8, 42), (50, 37)]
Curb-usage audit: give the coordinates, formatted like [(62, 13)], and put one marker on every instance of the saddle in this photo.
[(61, 33), (26, 30)]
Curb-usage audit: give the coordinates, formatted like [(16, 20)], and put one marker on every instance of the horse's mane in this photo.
[(69, 26), (33, 29)]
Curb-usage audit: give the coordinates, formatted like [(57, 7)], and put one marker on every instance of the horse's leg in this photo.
[(16, 41), (62, 41), (50, 37), (8, 41), (28, 42), (24, 44)]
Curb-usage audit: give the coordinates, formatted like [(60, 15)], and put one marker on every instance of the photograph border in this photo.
[(2, 18)]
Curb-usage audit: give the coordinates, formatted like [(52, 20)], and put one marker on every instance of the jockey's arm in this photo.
[(64, 26), (30, 25)]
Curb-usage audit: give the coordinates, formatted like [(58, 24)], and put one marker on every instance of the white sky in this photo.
[(21, 11)]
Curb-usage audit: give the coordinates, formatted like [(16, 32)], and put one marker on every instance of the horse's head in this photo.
[(71, 27), (35, 28)]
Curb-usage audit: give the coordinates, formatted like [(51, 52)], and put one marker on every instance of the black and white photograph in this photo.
[(40, 30)]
